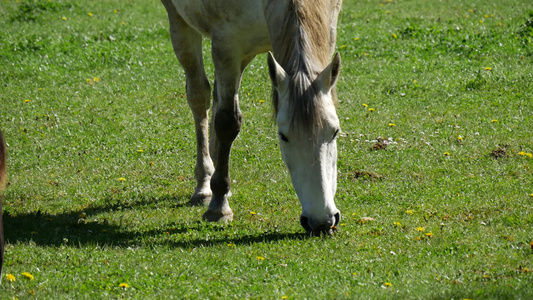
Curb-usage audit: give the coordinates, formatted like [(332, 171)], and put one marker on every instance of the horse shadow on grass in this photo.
[(77, 228)]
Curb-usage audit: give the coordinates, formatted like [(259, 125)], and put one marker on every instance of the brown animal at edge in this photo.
[(2, 183)]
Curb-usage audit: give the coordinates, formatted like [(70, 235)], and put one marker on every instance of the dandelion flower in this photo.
[(371, 109), (365, 105), (27, 275), (261, 101), (446, 153), (64, 18), (429, 234), (488, 68), (394, 35), (253, 213), (521, 153), (460, 137), (387, 284), (392, 124), (230, 245), (122, 179), (90, 14), (387, 12), (343, 46), (115, 11), (409, 212), (356, 39), (284, 297), (419, 229), (140, 150), (10, 277), (397, 223), (26, 101), (260, 258), (531, 195), (529, 155), (124, 285), (96, 79), (494, 121)]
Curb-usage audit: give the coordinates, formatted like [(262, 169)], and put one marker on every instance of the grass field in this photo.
[(101, 159)]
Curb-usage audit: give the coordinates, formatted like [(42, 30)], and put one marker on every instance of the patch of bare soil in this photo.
[(499, 153)]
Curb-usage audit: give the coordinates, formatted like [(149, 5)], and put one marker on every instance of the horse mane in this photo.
[(304, 50)]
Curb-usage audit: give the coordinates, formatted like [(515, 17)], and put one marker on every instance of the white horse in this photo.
[(301, 34)]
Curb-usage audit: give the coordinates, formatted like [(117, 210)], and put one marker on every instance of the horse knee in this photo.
[(228, 124)]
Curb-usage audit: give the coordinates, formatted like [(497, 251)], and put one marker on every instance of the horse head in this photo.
[(307, 129)]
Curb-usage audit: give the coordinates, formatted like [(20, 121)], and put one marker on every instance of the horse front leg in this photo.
[(227, 125), (187, 44)]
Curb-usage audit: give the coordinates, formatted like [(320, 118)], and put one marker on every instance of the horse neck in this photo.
[(303, 41)]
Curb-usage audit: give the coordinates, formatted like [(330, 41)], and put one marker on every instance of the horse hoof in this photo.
[(200, 199), (224, 217)]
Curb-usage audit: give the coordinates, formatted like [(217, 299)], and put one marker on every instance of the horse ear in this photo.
[(328, 78), (276, 72)]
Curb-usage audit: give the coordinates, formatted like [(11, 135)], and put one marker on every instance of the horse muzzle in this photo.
[(314, 227)]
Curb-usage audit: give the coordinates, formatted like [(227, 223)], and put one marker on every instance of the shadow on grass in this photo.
[(76, 228)]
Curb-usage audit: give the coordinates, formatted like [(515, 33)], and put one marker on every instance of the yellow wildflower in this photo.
[(494, 121), (343, 46), (392, 124), (409, 212), (387, 284), (429, 234), (446, 153), (529, 155), (260, 258), (96, 79), (521, 153), (261, 101), (365, 105), (64, 18), (394, 35), (90, 14), (26, 101), (488, 68), (460, 137), (115, 11), (253, 213), (397, 223), (371, 109), (10, 277), (284, 297), (27, 275), (419, 229), (122, 179), (356, 39), (124, 285)]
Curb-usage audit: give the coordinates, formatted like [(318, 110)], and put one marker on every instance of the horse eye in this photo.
[(283, 137), (335, 135)]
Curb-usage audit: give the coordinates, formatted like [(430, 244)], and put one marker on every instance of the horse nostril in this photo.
[(337, 219)]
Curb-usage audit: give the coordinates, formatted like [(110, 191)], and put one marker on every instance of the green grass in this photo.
[(88, 99)]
